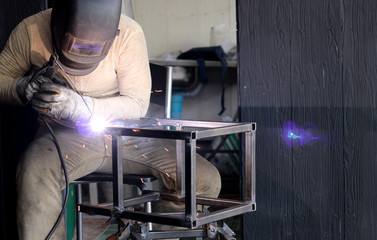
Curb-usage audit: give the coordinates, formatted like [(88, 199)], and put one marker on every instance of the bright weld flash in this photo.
[(97, 124)]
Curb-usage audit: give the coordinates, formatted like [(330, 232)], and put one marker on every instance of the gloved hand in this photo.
[(59, 102), (27, 86)]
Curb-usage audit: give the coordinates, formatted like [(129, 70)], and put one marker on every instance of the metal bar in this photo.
[(180, 168), (154, 133), (98, 210), (117, 172), (168, 90), (222, 214), (222, 131), (180, 177), (253, 168), (104, 177), (180, 215), (156, 218), (140, 123), (190, 179), (93, 193), (216, 202), (177, 234), (78, 213), (249, 166), (199, 124), (172, 219), (148, 209), (145, 198), (150, 122), (191, 63)]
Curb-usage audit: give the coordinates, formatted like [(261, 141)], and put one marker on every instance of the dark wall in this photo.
[(17, 124), (311, 62)]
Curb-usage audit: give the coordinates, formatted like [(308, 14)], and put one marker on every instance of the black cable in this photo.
[(66, 180)]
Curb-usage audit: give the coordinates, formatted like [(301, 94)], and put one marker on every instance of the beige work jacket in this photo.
[(120, 85)]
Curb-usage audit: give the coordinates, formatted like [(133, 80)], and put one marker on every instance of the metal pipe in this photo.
[(117, 172), (190, 179), (78, 213), (178, 234), (169, 87), (180, 165)]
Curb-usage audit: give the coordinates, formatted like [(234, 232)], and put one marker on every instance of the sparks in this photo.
[(144, 156), (166, 149)]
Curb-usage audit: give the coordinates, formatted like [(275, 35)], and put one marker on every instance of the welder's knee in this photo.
[(38, 164), (208, 182)]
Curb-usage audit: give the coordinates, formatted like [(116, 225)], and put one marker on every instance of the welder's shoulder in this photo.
[(127, 23), (30, 27), (34, 25), (40, 18)]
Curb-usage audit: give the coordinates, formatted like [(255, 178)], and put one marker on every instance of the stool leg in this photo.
[(93, 193), (148, 205), (148, 209), (78, 214)]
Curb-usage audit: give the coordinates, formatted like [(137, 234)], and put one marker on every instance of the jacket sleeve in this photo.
[(134, 81), (14, 63)]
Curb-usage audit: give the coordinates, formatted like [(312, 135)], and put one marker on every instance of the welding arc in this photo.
[(58, 220)]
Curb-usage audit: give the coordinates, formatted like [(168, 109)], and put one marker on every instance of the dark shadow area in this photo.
[(18, 127)]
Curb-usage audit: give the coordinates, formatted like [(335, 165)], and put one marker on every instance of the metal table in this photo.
[(185, 133)]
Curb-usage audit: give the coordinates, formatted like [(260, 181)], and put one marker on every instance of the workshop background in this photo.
[(313, 62), (306, 68)]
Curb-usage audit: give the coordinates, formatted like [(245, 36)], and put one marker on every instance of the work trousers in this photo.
[(40, 179)]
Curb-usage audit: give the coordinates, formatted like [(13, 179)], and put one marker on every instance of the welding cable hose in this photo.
[(58, 220)]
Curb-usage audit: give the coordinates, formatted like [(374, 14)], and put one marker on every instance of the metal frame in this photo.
[(186, 133)]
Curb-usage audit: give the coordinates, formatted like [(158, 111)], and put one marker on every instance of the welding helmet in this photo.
[(83, 32)]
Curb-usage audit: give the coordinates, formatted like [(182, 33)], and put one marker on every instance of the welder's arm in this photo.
[(121, 107), (134, 80), (14, 63)]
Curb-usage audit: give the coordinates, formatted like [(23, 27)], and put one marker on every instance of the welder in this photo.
[(81, 60)]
